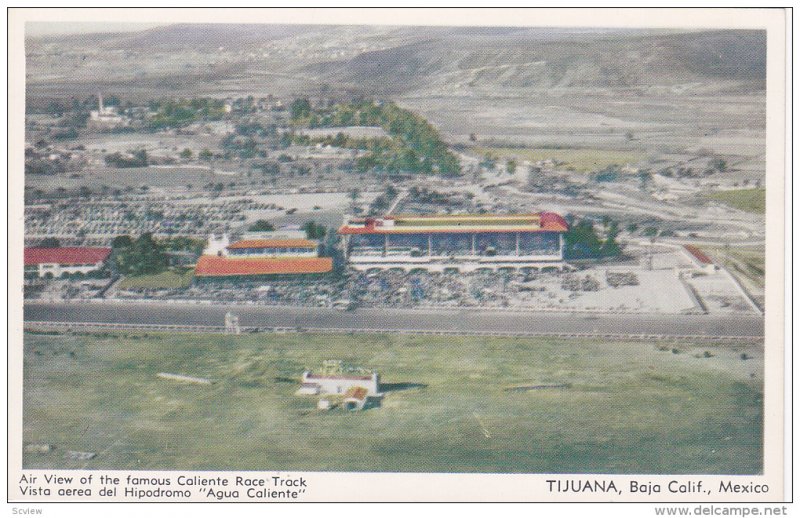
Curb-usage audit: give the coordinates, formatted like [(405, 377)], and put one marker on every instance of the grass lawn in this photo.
[(164, 280), (750, 200), (579, 159), (610, 407)]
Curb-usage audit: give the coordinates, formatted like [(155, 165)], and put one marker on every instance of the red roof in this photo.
[(700, 256), (214, 266), (66, 255), (274, 243), (359, 393), (552, 221)]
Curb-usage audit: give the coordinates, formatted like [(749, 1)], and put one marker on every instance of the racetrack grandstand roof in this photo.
[(66, 255), (214, 266), (273, 243), (457, 223)]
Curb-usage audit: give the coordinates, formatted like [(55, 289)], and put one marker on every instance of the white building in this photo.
[(334, 379), (217, 245), (106, 117), (280, 243), (280, 253), (55, 262)]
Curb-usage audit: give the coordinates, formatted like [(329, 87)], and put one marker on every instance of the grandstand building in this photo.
[(268, 254), (464, 242)]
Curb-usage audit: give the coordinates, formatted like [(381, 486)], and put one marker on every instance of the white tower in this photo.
[(217, 245)]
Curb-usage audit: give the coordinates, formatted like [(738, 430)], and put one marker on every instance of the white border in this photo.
[(445, 487)]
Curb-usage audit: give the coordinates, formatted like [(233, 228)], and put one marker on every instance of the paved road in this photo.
[(397, 319)]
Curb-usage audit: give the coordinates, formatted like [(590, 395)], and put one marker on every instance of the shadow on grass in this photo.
[(394, 387)]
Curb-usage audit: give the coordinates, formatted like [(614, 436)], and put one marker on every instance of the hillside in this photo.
[(609, 88), (586, 61), (397, 60)]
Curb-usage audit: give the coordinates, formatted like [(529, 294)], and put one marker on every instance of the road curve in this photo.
[(467, 320)]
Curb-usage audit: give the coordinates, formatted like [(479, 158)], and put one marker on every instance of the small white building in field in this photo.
[(335, 379)]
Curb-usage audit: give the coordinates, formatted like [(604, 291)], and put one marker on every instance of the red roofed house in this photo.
[(267, 254), (55, 262), (466, 242)]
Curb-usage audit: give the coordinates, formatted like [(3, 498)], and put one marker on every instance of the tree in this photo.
[(206, 154), (314, 231), (50, 242), (644, 179), (581, 241), (186, 154), (142, 256), (632, 227), (650, 231), (261, 225), (610, 246), (300, 108), (135, 159), (121, 242), (270, 167), (489, 161), (140, 156), (511, 166)]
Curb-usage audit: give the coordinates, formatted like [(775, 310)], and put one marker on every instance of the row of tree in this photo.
[(415, 145), (177, 113), (144, 255), (136, 158)]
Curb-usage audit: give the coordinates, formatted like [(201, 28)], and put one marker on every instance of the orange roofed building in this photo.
[(270, 254)]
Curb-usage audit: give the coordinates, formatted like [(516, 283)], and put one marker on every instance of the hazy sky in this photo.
[(53, 28)]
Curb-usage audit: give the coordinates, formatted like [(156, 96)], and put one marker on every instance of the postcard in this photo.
[(395, 255)]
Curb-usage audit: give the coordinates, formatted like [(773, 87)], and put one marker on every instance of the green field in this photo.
[(750, 200), (608, 407), (169, 279), (579, 159)]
